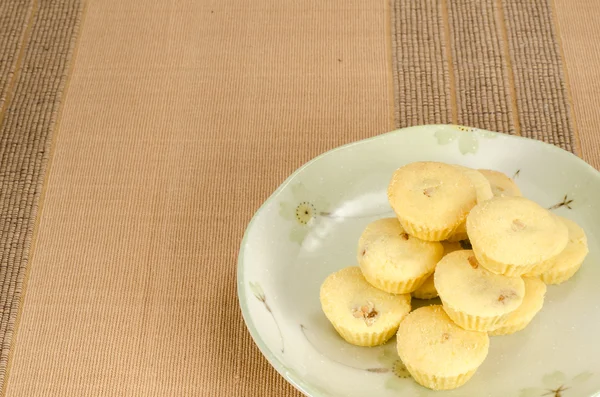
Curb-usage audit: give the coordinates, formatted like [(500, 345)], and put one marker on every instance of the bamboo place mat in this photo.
[(137, 138)]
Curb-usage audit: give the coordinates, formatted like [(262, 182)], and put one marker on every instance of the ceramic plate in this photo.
[(310, 226)]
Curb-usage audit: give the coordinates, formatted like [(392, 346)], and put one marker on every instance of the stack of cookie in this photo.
[(465, 235)]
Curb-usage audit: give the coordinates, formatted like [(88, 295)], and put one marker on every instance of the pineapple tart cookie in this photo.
[(438, 353), (459, 234), (475, 298), (431, 199), (427, 289), (483, 191), (533, 301), (483, 188), (394, 261), (359, 312), (513, 235), (566, 264), (501, 184)]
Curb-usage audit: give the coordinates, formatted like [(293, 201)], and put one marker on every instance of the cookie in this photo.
[(431, 199), (501, 184), (513, 235), (459, 234), (475, 298), (394, 261), (362, 314), (427, 289), (483, 191), (439, 354), (546, 265), (483, 188), (568, 262), (451, 246), (535, 289)]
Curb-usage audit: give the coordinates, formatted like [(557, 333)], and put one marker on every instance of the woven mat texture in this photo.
[(137, 139)]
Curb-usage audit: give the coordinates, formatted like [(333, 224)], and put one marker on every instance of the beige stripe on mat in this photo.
[(580, 33), (179, 121), (37, 78)]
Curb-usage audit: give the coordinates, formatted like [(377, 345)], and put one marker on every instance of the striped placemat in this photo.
[(138, 137)]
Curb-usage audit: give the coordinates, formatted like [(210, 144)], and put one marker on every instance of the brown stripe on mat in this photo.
[(25, 138), (503, 71), (542, 96), (420, 67), (483, 88), (14, 18)]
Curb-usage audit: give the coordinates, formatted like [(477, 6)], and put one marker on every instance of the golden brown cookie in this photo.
[(431, 199), (362, 314)]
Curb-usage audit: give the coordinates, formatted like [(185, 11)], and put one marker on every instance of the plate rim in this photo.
[(274, 361)]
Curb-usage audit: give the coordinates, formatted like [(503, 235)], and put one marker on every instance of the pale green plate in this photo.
[(310, 227)]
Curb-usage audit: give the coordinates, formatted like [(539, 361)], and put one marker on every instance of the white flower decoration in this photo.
[(468, 138)]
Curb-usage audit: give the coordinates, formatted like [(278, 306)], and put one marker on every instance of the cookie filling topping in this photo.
[(367, 313)]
